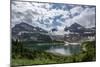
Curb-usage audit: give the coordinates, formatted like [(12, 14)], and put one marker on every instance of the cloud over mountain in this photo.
[(52, 15)]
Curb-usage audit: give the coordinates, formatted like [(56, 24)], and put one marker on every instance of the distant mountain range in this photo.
[(22, 27), (26, 32), (77, 28)]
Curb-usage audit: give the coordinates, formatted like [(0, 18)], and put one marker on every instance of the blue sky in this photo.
[(52, 15)]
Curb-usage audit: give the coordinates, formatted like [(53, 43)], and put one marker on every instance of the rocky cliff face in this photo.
[(26, 32)]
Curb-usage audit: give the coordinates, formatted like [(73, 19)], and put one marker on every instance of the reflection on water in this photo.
[(65, 50), (56, 48), (60, 50)]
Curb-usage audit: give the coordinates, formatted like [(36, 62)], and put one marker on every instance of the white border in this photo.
[(5, 33), (88, 2)]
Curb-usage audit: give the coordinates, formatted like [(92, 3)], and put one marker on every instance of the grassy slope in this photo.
[(40, 57)]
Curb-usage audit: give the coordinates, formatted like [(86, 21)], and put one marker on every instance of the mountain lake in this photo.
[(55, 48)]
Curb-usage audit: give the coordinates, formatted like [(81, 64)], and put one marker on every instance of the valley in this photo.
[(34, 45)]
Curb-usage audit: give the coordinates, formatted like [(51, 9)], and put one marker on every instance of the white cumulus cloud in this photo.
[(47, 17)]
